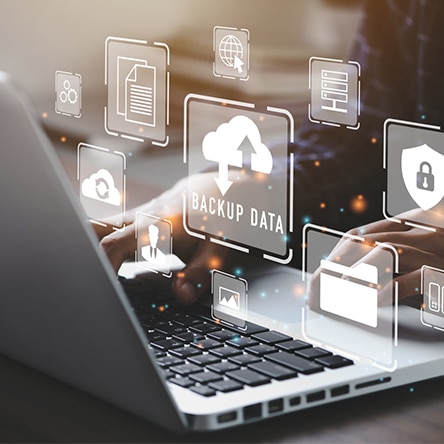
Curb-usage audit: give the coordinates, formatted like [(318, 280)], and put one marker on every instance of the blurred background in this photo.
[(38, 38)]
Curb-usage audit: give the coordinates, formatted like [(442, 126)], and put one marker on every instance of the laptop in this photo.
[(199, 368)]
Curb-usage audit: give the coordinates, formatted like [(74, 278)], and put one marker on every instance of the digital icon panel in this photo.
[(101, 175), (137, 78), (350, 295), (154, 243), (231, 48), (335, 92), (350, 292), (432, 288), (414, 161), (68, 89), (247, 199), (229, 298)]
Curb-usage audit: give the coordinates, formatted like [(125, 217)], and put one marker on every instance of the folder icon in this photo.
[(350, 292)]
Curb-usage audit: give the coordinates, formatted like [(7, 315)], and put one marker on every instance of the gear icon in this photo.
[(68, 94), (72, 96), (63, 96)]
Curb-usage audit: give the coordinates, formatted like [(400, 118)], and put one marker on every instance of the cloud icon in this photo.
[(222, 145), (100, 186)]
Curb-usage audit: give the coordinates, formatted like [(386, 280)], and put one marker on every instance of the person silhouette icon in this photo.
[(151, 253)]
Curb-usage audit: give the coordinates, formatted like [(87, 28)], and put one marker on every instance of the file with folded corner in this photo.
[(350, 292)]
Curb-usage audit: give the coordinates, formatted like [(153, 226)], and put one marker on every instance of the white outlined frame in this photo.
[(167, 98), (223, 321), (118, 153), (77, 116), (247, 49), (395, 299), (350, 62), (250, 106), (168, 274), (423, 322), (387, 122)]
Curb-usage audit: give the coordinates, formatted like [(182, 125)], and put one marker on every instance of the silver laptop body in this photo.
[(64, 313)]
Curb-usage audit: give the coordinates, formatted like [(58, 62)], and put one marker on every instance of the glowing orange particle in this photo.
[(44, 115), (322, 205), (317, 163), (214, 262), (63, 139), (374, 139), (181, 275), (359, 204)]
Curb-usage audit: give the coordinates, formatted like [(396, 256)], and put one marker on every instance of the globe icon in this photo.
[(230, 47)]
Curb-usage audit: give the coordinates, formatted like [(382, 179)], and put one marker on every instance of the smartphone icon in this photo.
[(434, 296)]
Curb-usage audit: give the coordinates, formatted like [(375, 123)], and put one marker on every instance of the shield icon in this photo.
[(422, 170)]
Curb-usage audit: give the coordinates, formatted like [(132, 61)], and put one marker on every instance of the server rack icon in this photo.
[(334, 89)]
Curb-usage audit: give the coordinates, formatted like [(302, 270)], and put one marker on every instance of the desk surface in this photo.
[(36, 408)]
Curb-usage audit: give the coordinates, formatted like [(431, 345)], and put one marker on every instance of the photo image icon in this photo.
[(229, 298)]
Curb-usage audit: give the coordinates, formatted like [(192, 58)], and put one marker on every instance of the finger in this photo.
[(120, 246), (409, 284), (195, 278)]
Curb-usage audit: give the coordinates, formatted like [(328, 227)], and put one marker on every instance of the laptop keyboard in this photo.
[(198, 353)]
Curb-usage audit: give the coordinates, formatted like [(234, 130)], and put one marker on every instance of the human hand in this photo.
[(200, 256), (415, 246)]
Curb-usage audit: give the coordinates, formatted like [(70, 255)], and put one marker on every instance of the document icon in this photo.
[(140, 95), (350, 292), (137, 78)]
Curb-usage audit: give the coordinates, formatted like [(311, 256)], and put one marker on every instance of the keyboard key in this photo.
[(170, 329), (204, 328), (261, 349), (168, 361), (223, 367), (183, 382), (206, 344), (226, 386), (206, 377), (167, 344), (271, 337), (225, 352), (159, 354), (248, 377), (242, 342), (185, 352), (334, 361), (294, 362), (273, 370), (203, 360), (223, 335), (154, 336), (185, 369), (203, 390), (313, 353), (188, 337), (187, 320), (293, 345), (252, 329), (244, 359), (169, 374)]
